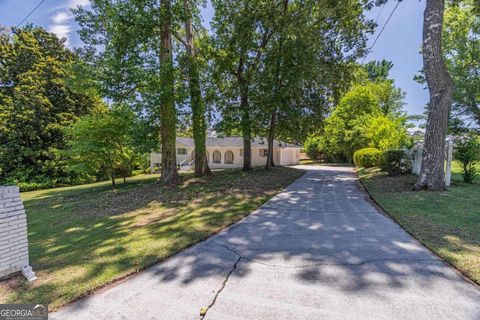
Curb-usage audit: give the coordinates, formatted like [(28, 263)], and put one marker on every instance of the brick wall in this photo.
[(13, 232)]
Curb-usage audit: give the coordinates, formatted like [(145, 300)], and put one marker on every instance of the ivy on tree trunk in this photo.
[(277, 91), (245, 118), (441, 90), (271, 138), (197, 104), (168, 117)]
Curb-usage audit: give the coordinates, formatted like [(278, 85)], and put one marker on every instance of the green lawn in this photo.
[(446, 222), (87, 236)]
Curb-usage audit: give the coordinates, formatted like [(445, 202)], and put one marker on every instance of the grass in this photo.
[(448, 223), (84, 237)]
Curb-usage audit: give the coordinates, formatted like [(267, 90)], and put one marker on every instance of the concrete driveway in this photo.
[(318, 250)]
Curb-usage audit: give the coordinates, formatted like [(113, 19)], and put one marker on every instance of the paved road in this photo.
[(319, 250)]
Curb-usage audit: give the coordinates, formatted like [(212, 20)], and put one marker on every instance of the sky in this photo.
[(399, 43)]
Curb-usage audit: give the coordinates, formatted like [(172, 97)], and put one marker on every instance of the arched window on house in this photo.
[(217, 157), (229, 157)]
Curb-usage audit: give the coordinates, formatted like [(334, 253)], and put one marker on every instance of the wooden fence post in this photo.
[(417, 162), (448, 169)]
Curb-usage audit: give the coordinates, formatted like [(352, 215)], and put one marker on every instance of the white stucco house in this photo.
[(228, 153)]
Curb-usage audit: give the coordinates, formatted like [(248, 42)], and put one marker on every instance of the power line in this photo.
[(30, 13), (381, 31), (381, 10)]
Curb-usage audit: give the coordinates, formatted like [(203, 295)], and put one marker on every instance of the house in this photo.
[(228, 153)]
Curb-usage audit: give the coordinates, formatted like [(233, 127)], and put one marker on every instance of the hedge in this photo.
[(368, 157), (396, 162)]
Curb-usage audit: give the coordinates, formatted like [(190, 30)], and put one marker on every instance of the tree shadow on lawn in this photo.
[(338, 249), (76, 247), (293, 241), (446, 222)]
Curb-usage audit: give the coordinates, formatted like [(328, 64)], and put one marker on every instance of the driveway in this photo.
[(318, 250)]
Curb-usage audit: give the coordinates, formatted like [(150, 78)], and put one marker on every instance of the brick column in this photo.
[(13, 234)]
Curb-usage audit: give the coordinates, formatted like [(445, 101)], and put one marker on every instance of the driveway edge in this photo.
[(384, 212)]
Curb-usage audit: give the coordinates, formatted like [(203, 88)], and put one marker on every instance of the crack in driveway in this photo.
[(203, 312), (361, 263)]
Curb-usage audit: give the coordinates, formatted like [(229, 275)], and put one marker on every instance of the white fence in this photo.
[(416, 156)]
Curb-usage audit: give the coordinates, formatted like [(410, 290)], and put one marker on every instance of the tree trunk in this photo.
[(245, 120), (247, 135), (198, 106), (271, 137), (112, 176), (168, 117), (277, 92), (440, 85), (206, 167), (206, 171)]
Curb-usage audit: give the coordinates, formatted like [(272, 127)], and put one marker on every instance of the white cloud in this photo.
[(61, 30), (61, 17), (72, 4), (75, 3)]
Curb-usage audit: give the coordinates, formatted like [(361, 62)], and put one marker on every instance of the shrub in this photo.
[(396, 162), (368, 157), (103, 141), (467, 152), (312, 147), (44, 182)]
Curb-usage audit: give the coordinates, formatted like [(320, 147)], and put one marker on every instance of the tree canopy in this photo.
[(370, 114), (103, 142), (284, 69), (461, 48), (39, 97), (141, 62), (283, 64)]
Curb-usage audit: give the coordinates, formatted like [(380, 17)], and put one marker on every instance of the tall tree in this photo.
[(277, 83), (303, 69), (168, 118), (440, 85), (136, 62), (196, 101), (38, 99), (242, 30), (461, 48)]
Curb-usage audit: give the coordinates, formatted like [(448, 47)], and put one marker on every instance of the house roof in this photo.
[(236, 142)]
